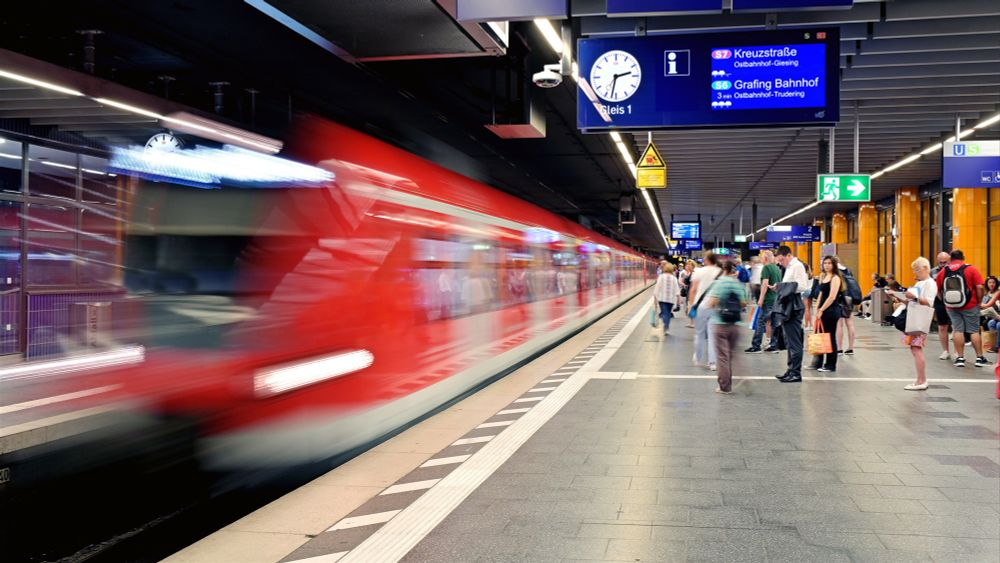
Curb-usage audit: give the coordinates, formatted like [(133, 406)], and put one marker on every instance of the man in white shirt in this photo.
[(791, 328)]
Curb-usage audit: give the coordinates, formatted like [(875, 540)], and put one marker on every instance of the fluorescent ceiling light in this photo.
[(40, 83), (127, 107), (551, 35), (987, 122), (901, 163), (626, 155), (576, 71), (616, 136)]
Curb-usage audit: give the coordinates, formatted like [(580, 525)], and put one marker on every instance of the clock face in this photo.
[(615, 76), (163, 142)]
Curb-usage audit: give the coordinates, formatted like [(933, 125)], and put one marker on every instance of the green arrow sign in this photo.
[(844, 187)]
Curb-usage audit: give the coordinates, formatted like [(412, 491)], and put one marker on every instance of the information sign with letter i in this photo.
[(650, 171)]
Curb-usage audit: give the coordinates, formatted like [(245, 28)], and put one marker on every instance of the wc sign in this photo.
[(677, 63)]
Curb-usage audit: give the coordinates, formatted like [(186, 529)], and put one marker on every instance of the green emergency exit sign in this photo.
[(844, 187)]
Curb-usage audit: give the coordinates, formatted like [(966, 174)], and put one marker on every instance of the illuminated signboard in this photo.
[(685, 231), (795, 233), (971, 164), (787, 77)]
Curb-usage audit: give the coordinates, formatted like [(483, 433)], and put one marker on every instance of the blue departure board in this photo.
[(685, 230), (782, 77), (768, 77)]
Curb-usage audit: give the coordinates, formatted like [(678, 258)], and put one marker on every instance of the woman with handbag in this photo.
[(832, 289), (920, 295)]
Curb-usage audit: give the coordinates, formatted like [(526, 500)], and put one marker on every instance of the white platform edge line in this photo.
[(364, 520), (541, 389), (529, 399), (513, 411), (553, 380), (445, 460), (396, 538), (407, 487), (810, 379), (495, 424), (329, 558), (476, 440)]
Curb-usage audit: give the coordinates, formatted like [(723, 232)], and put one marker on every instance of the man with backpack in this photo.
[(961, 287), (728, 297)]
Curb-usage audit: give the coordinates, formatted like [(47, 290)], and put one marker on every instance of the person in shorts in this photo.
[(923, 292), (965, 319)]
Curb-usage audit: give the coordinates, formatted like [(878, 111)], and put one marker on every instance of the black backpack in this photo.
[(731, 308), (853, 288), (955, 292)]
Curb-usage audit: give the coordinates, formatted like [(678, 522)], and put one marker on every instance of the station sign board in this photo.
[(685, 230), (789, 5), (794, 233), (686, 245), (771, 78), (763, 245), (662, 7), (843, 187), (971, 164), (650, 171)]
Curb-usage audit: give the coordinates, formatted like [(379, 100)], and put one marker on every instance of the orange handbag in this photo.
[(819, 341)]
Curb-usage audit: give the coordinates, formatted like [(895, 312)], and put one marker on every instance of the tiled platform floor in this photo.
[(849, 468)]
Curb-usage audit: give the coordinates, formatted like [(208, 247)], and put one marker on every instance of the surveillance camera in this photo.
[(548, 78)]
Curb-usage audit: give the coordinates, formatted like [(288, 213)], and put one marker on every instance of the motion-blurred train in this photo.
[(295, 323)]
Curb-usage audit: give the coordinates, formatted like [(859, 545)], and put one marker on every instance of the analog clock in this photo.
[(615, 76), (163, 142)]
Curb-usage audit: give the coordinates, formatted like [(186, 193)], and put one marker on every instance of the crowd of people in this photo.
[(780, 298)]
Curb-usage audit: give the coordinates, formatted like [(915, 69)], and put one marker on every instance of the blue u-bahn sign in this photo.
[(971, 164), (787, 77)]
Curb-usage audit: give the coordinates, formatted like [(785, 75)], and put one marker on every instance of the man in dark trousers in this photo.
[(789, 304)]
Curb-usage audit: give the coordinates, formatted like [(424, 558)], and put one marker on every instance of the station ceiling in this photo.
[(909, 67)]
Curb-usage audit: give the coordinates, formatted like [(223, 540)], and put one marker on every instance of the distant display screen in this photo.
[(685, 231), (763, 245), (781, 77)]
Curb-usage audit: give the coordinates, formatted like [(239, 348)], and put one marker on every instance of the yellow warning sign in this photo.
[(651, 171), (650, 158)]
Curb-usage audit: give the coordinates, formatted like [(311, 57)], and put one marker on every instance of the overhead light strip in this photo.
[(550, 34), (40, 83), (904, 161)]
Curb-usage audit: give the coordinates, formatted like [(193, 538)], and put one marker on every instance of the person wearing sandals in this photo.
[(924, 292)]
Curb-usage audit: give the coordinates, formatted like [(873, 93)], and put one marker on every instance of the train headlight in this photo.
[(281, 379)]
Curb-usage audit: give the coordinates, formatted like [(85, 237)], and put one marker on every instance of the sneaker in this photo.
[(826, 370), (960, 362), (812, 367), (945, 355), (993, 351), (772, 350), (915, 387), (712, 367), (753, 350), (840, 352), (849, 352), (981, 361), (721, 392)]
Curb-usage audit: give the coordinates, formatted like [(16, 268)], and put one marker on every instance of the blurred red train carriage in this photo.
[(295, 323)]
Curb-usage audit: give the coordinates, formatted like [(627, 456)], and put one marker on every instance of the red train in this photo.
[(297, 323)]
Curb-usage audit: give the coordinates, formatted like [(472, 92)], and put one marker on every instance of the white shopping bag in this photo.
[(918, 318)]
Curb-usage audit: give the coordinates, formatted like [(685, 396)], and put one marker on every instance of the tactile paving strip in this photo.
[(350, 531)]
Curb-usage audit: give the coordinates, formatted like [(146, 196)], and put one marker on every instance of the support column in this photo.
[(907, 234), (838, 232), (867, 245), (801, 250), (969, 225), (817, 249)]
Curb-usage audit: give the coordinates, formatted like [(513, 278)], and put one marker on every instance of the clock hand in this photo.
[(613, 83), (623, 74)]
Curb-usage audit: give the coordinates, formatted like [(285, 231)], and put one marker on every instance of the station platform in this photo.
[(613, 447)]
